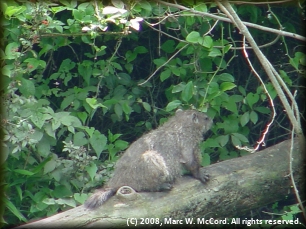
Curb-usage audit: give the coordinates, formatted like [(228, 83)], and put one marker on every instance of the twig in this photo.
[(168, 35), (261, 141), (265, 63), (263, 28), (163, 65), (296, 191)]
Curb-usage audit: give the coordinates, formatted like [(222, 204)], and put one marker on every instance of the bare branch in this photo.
[(263, 28), (269, 69), (174, 55)]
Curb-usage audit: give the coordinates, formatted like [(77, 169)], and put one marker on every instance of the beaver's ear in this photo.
[(195, 117), (178, 111)]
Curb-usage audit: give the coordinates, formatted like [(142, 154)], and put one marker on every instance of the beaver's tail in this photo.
[(99, 197)]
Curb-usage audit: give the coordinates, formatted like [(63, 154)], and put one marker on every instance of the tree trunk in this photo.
[(236, 186)]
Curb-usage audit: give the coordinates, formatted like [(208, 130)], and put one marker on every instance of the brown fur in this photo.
[(154, 161)]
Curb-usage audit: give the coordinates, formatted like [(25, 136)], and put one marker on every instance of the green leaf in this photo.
[(49, 166), (187, 93), (146, 106), (222, 140), (245, 118), (127, 109), (117, 3), (230, 124), (118, 110), (165, 75), (140, 49), (23, 172), (205, 160), (263, 110), (7, 70), (231, 106), (116, 65), (240, 137), (67, 65), (130, 56), (27, 87), (11, 51), (210, 143), (14, 210), (193, 37), (303, 60), (159, 62), (38, 119), (236, 98), (55, 122), (69, 120), (168, 46), (190, 21), (294, 209), (225, 86), (129, 67), (44, 145), (98, 142), (145, 5), (148, 125), (121, 145), (201, 7), (80, 197), (67, 101), (113, 137), (178, 88), (66, 202), (214, 52), (70, 4), (59, 28), (34, 63), (227, 48), (242, 90), (175, 70), (92, 170), (253, 117), (49, 130), (57, 9), (226, 77), (92, 102), (82, 116), (77, 14), (36, 136), (85, 69), (173, 105), (285, 77), (235, 141), (14, 10), (252, 99), (89, 130), (49, 201), (79, 139), (206, 42), (86, 39), (61, 191), (294, 62)]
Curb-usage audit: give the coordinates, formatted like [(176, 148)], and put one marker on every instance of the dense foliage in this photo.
[(82, 80)]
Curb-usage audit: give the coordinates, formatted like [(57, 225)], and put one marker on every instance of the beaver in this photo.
[(154, 161)]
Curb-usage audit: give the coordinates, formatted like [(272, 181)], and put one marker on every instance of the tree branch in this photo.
[(236, 187), (229, 11), (263, 28)]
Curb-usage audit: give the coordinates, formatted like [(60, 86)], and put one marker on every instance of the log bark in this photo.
[(236, 187)]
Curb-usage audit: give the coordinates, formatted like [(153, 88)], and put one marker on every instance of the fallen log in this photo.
[(236, 186)]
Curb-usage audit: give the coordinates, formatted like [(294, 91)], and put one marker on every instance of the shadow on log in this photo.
[(236, 187)]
